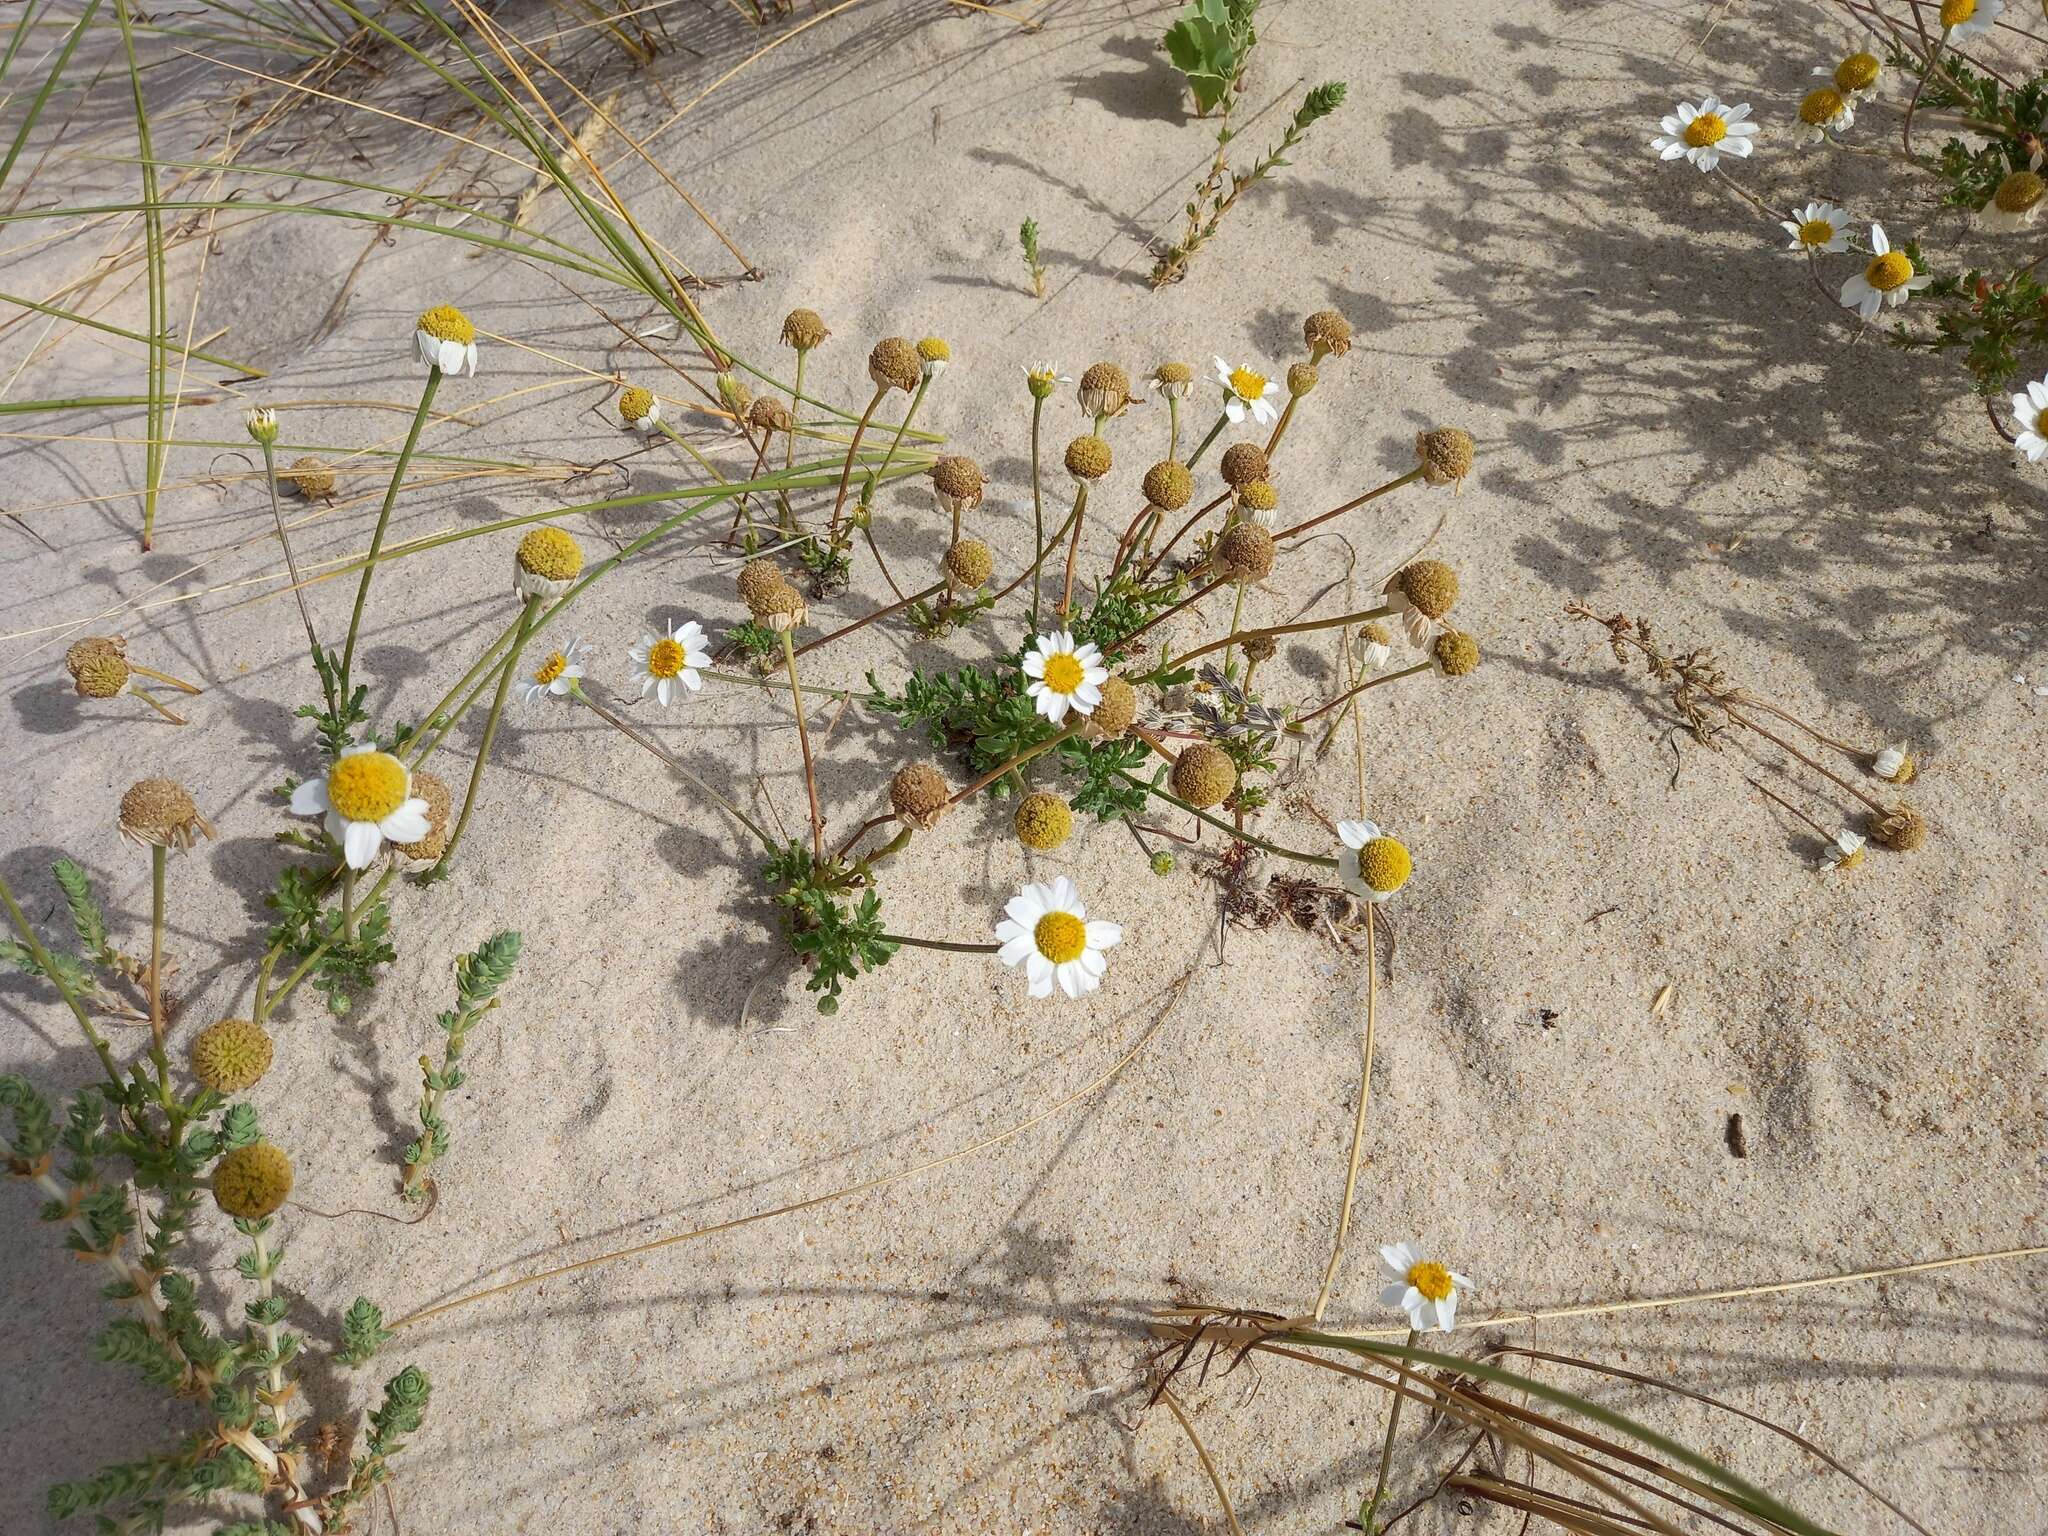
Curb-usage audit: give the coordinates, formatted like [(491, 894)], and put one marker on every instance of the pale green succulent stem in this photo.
[(520, 634)]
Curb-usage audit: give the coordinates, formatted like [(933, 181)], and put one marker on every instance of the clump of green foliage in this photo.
[(1210, 43)]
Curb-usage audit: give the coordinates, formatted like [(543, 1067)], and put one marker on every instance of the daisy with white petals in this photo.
[(1886, 279), (558, 674), (1372, 865), (1422, 1288), (1845, 852), (1046, 929), (1825, 110), (1064, 675), (446, 340), (1247, 392), (678, 657), (1704, 133), (1818, 228), (1042, 379), (2028, 409), (1962, 19), (367, 800)]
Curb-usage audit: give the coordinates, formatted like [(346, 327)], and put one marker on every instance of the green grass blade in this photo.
[(159, 313), (42, 97)]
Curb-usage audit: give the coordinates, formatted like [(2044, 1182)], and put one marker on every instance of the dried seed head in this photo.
[(1261, 648), (1169, 486), (1905, 829), (547, 563), (1114, 712), (1043, 821), (894, 364), (231, 1056), (958, 482), (918, 794), (1258, 500), (98, 665), (1430, 587), (1327, 332), (1244, 553), (1445, 455), (756, 580), (1301, 378), (310, 477), (1457, 653), (1243, 463), (803, 329), (1373, 632), (434, 790), (782, 609), (1176, 380), (1203, 775), (968, 565), (1105, 389), (1088, 456), (251, 1182), (159, 813), (767, 414)]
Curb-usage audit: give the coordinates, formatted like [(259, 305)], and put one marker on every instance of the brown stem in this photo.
[(1166, 613), (1181, 533), (1016, 762), (1372, 495), (1079, 517), (1785, 746), (164, 677), (880, 613), (852, 448), (1349, 694), (1303, 627), (803, 736)]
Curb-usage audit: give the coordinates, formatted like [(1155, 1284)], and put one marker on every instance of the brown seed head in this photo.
[(958, 481), (894, 364), (1445, 455), (434, 790), (803, 329), (968, 565), (1088, 457), (1043, 821), (1169, 486), (918, 793), (1243, 463), (1904, 830), (251, 1182), (1203, 775), (310, 477), (1457, 653), (1429, 585), (1114, 712), (1261, 648), (756, 580), (767, 414), (782, 609), (1328, 332), (159, 813), (1105, 389), (1244, 553), (231, 1056), (98, 665)]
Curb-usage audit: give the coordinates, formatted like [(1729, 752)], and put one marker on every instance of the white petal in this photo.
[(1233, 409), (1356, 834), (1071, 981), (1014, 948), (1026, 907), (664, 690), (1878, 243), (692, 679), (1102, 935), (1040, 970), (1063, 896), (360, 843), (1391, 1296), (1033, 664), (310, 798), (407, 824)]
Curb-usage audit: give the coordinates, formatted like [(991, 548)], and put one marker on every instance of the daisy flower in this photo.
[(367, 799), (2016, 203), (1245, 391), (639, 410), (1704, 133), (676, 657), (1045, 928), (1857, 75), (555, 675), (1887, 279), (1845, 852), (1376, 652), (2029, 409), (1817, 228), (1824, 110), (1372, 865), (1064, 675), (1895, 764), (1422, 1288), (1043, 378), (446, 340), (1966, 18)]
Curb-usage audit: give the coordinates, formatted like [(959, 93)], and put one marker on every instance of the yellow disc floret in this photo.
[(1821, 106), (2019, 192), (367, 786), (444, 322), (252, 1181), (1816, 232), (933, 350), (635, 403), (1384, 865), (1889, 271), (1432, 1280), (551, 669), (1063, 672), (1707, 128), (550, 554), (1247, 385), (1955, 12), (1858, 72), (665, 658), (1060, 937), (229, 1057), (1043, 821)]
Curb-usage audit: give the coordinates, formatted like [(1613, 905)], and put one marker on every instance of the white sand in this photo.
[(1667, 424)]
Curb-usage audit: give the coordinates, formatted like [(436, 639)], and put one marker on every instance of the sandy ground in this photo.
[(1668, 424)]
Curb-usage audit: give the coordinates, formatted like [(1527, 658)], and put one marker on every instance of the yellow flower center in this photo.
[(1247, 385), (1433, 1280), (1060, 937), (1858, 72), (1063, 672), (1955, 12), (2019, 192), (367, 786), (1888, 271), (1707, 128), (635, 403), (1820, 107), (933, 350), (1851, 860), (1816, 232), (550, 554), (551, 669), (665, 658), (444, 322), (1384, 865)]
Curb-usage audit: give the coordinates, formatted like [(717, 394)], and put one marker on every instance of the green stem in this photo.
[(520, 634), (412, 437), (803, 736), (1318, 860), (1173, 426), (1222, 420), (950, 945), (1037, 507), (1302, 628), (1368, 1512), (41, 957), (639, 738), (348, 904), (291, 562), (846, 474)]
